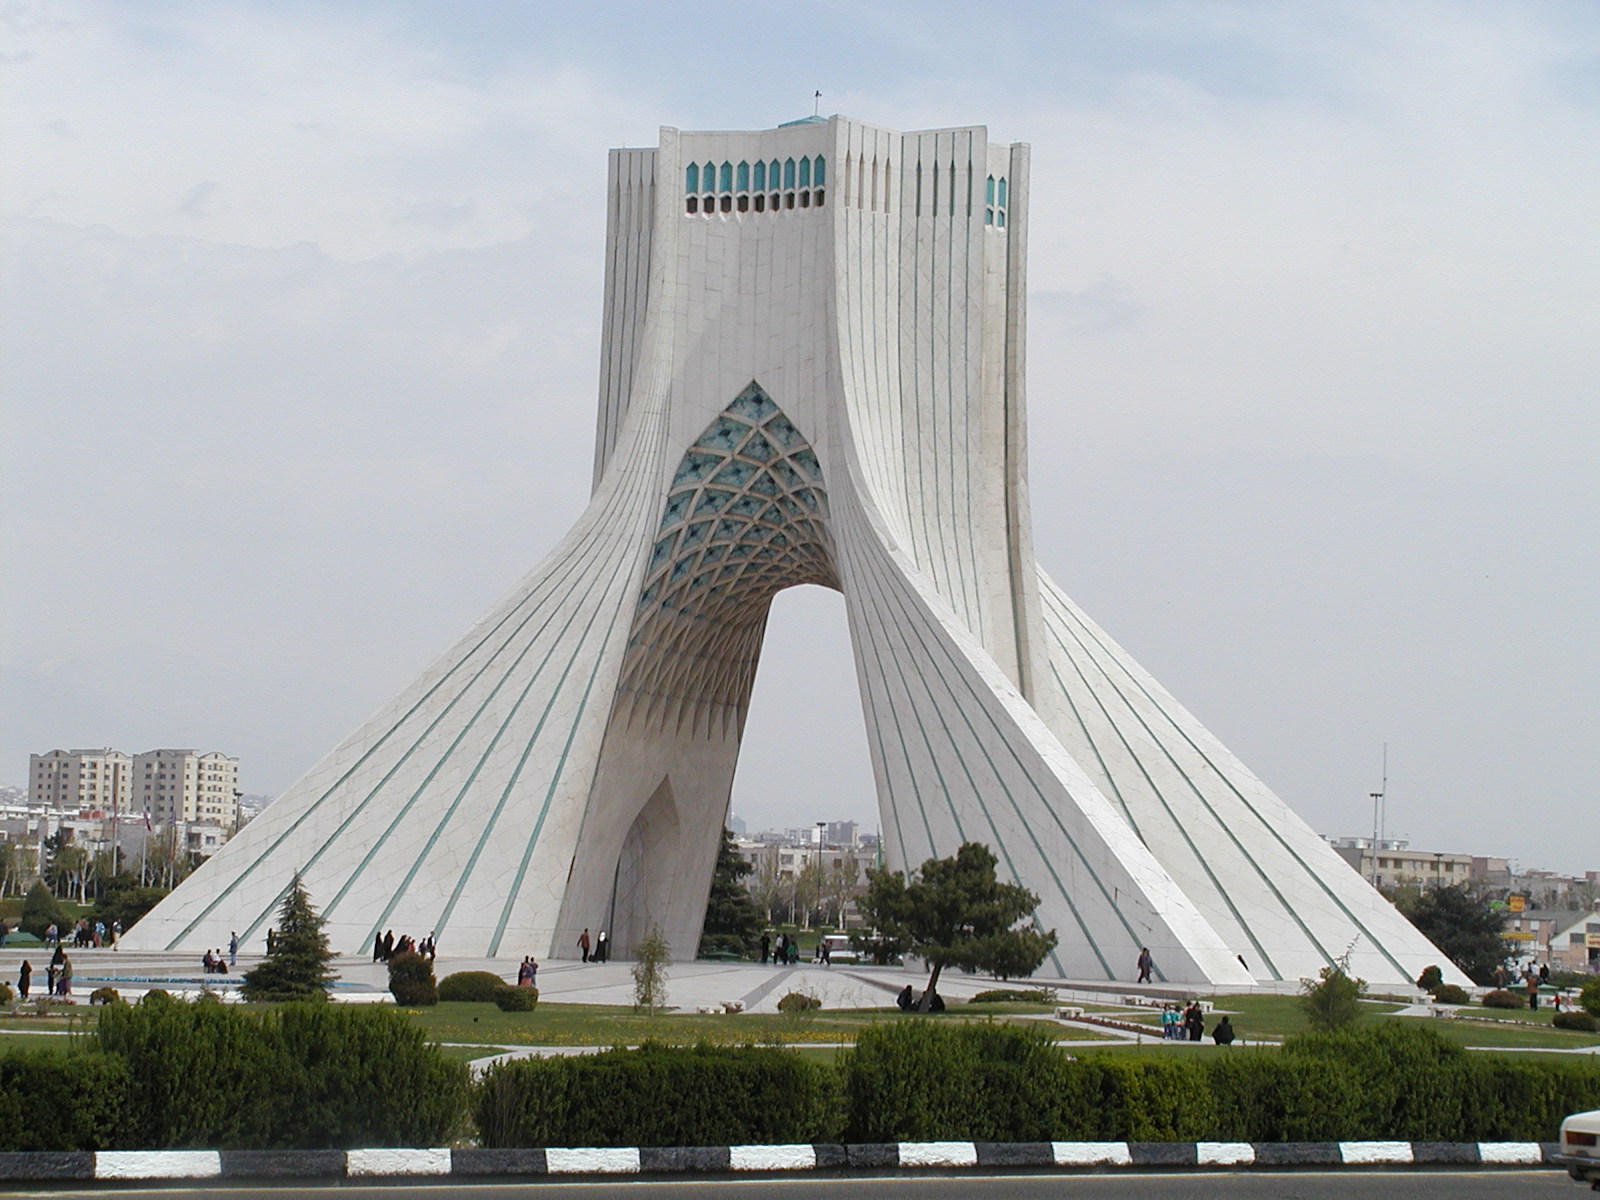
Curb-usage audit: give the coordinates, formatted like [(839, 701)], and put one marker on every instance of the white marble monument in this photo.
[(812, 372)]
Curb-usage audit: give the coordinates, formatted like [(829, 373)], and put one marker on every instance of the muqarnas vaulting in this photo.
[(812, 372)]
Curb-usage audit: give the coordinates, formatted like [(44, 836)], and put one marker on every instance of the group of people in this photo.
[(85, 935), (908, 1000), (1187, 1023), (785, 953), (598, 950), (385, 946), (528, 973), (58, 975)]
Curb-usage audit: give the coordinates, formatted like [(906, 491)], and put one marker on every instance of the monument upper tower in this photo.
[(812, 372)]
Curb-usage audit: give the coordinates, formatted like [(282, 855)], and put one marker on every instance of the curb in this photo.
[(712, 1160)]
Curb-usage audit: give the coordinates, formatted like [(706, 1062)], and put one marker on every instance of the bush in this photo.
[(40, 910), (5, 993), (516, 999), (1449, 993), (472, 987), (1333, 999), (411, 980), (798, 1002), (1589, 997), (105, 995), (304, 1076), (1282, 1098), (1430, 978), (54, 1100), (1010, 996), (659, 1096), (1500, 998), (1575, 1020)]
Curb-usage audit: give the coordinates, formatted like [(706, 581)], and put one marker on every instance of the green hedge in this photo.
[(476, 987), (659, 1096), (62, 1100), (306, 1076)]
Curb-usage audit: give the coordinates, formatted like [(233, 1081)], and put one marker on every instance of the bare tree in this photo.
[(766, 881), (843, 881), (809, 883)]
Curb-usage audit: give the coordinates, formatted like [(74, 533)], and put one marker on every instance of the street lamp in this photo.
[(1377, 798)]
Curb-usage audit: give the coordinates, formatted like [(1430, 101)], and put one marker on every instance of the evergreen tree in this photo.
[(954, 912), (733, 922), (1467, 931), (40, 910), (297, 968)]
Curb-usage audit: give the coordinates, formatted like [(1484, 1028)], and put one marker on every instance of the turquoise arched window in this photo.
[(817, 176), (1002, 193), (788, 172), (988, 191), (761, 177), (773, 171), (742, 178), (708, 177), (727, 177), (805, 172), (692, 178)]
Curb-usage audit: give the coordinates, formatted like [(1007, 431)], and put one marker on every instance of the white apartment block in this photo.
[(186, 786), (80, 779)]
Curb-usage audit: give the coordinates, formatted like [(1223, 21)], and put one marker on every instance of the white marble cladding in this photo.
[(828, 393)]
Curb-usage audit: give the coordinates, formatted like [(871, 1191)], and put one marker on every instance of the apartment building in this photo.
[(80, 779), (186, 786)]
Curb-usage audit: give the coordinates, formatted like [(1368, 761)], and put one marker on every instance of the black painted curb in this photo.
[(1066, 1157)]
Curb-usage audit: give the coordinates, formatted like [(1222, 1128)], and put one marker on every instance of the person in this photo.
[(1223, 1033), (1146, 964), (1169, 1022), (271, 937), (116, 935), (602, 947), (533, 971), (50, 978), (766, 948), (584, 943), (233, 949), (4, 931), (377, 948), (207, 963), (824, 952), (1533, 989), (1544, 973), (64, 980), (907, 999), (52, 936), (24, 979), (524, 974), (1194, 1021)]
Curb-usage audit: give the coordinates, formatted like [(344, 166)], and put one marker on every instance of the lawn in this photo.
[(612, 1025), (1266, 1016)]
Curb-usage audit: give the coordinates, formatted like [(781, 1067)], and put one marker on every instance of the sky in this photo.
[(302, 303)]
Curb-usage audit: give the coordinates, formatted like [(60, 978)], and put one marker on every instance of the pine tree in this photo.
[(297, 968), (732, 919)]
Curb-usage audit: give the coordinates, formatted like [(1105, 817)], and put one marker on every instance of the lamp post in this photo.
[(1377, 798)]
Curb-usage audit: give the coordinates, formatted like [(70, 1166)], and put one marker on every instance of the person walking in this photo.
[(1146, 964), (602, 947), (24, 979), (116, 935), (766, 948), (64, 979), (233, 949), (584, 944), (1533, 989), (1194, 1021)]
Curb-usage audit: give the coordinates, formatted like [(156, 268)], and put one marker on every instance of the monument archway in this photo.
[(811, 372)]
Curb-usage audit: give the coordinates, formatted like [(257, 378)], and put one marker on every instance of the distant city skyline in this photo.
[(306, 370)]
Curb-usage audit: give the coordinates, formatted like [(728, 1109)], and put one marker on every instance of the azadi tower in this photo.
[(812, 372)]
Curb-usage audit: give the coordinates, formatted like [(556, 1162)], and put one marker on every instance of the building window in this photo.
[(693, 204), (788, 173), (691, 179), (742, 178), (727, 179), (760, 182)]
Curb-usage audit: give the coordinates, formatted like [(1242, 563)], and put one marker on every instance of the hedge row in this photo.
[(164, 1074)]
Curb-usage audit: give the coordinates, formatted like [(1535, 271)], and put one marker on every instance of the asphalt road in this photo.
[(1212, 1185)]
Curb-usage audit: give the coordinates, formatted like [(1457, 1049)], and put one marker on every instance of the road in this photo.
[(1212, 1185)]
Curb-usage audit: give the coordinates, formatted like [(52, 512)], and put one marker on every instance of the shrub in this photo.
[(516, 999), (105, 995), (1283, 1098), (1500, 998), (472, 987), (798, 1002), (651, 958), (54, 1100), (1589, 997), (6, 994), (304, 1076), (1332, 999), (1449, 993), (40, 910), (411, 980), (1412, 1081), (1011, 996), (1430, 978), (659, 1096), (1575, 1020)]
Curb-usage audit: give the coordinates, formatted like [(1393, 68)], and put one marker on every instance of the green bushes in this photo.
[(1580, 1021), (474, 987), (105, 995), (306, 1076), (659, 1096), (798, 1002), (1500, 998), (56, 1100), (1589, 997), (411, 980), (1449, 993), (516, 999), (1012, 996)]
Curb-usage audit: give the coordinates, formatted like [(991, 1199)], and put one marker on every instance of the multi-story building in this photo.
[(1390, 862), (79, 779), (184, 786)]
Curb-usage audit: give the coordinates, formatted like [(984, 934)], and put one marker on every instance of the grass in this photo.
[(1266, 1016), (612, 1025)]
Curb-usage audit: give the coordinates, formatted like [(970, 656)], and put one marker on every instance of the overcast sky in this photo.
[(302, 319)]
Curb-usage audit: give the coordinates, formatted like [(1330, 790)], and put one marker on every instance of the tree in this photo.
[(1467, 931), (766, 885), (954, 912), (124, 899), (297, 968), (732, 919), (40, 910), (1333, 999), (809, 883), (650, 963)]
